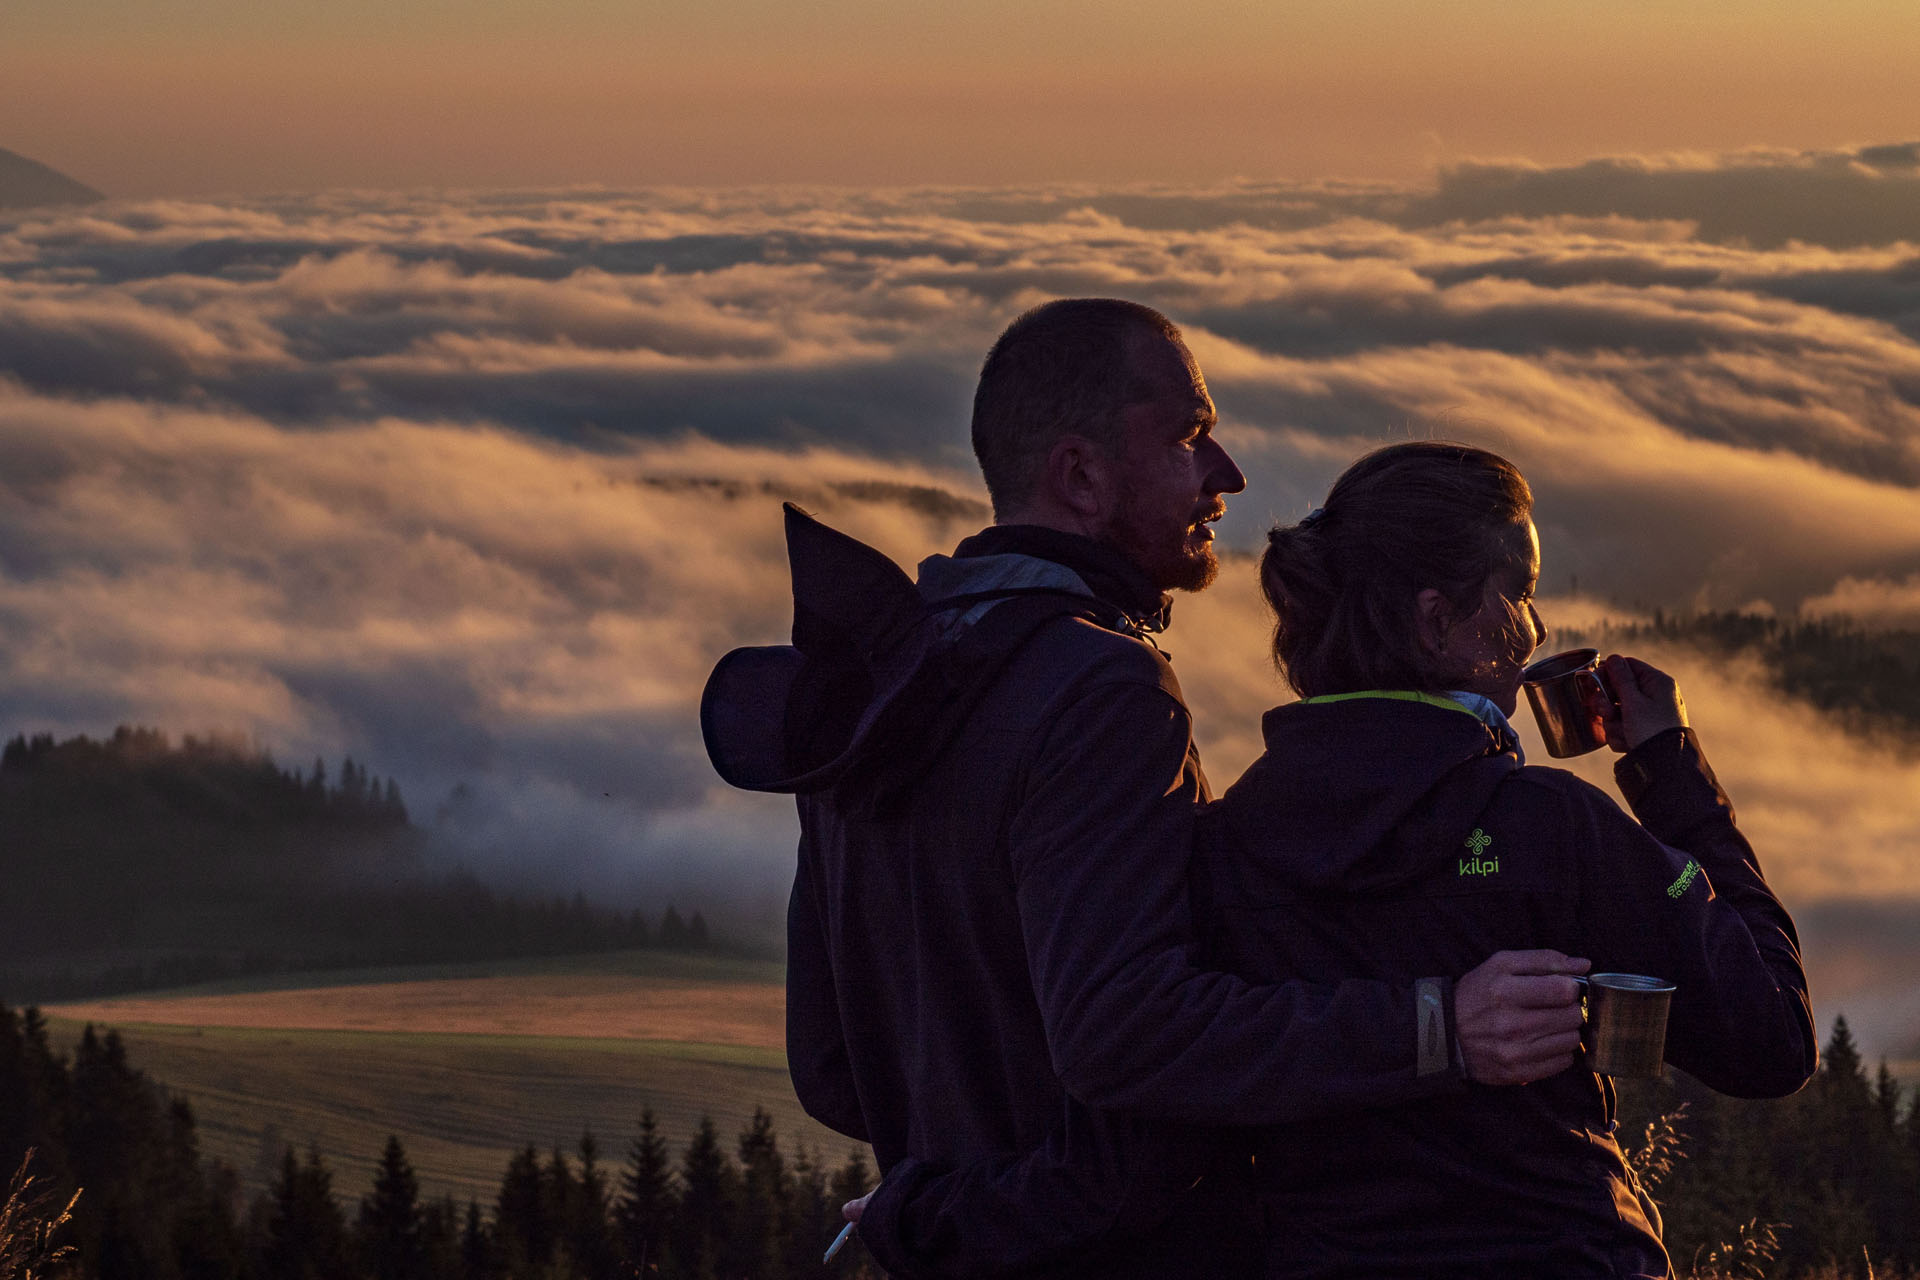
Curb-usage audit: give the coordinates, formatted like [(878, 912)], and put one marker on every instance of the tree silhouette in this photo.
[(709, 1192), (673, 930), (647, 1200), (390, 1225), (523, 1234), (306, 1233)]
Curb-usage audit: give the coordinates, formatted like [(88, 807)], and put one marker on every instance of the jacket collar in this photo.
[(1106, 572)]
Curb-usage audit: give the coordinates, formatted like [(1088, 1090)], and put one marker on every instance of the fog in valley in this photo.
[(477, 486)]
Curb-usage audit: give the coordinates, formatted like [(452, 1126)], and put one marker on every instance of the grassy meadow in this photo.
[(465, 1063)]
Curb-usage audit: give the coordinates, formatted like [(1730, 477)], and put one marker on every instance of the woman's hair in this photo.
[(1343, 582)]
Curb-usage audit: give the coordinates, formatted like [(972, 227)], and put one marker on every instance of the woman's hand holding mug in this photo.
[(1646, 702)]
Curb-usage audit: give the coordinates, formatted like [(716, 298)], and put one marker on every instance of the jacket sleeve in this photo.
[(1679, 895), (1100, 843), (816, 1039), (1099, 1186)]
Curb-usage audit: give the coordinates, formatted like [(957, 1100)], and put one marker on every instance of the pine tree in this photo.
[(709, 1191), (589, 1238), (673, 930), (813, 1219), (558, 1191), (306, 1233), (523, 1236), (1886, 1098), (697, 931), (476, 1246), (766, 1196), (117, 1149), (440, 1239), (1841, 1060), (647, 1201), (390, 1227)]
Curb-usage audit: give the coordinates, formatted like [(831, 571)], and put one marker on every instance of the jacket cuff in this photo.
[(1436, 1038), (1669, 785)]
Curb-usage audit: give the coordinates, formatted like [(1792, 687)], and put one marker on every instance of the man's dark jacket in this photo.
[(991, 969), (1387, 837)]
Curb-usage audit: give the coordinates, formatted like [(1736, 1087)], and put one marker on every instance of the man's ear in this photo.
[(1433, 619), (1079, 477)]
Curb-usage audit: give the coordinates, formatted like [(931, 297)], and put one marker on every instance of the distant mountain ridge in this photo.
[(25, 183)]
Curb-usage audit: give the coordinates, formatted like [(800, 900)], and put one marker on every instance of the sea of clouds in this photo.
[(477, 486)]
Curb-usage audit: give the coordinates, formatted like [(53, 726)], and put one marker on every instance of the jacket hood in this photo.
[(1362, 791), (882, 670)]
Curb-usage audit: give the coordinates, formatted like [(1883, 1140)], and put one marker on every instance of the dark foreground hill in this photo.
[(134, 861), (25, 183)]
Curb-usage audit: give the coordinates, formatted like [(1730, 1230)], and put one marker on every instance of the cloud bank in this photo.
[(477, 487)]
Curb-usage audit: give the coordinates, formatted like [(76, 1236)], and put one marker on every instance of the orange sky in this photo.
[(187, 97)]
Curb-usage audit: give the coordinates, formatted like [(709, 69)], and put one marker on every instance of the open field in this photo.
[(466, 1067), (585, 1006)]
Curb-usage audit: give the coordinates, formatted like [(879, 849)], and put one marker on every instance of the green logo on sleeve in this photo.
[(1687, 875), (1478, 864)]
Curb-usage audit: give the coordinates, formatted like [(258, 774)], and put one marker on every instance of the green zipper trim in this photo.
[(1397, 695)]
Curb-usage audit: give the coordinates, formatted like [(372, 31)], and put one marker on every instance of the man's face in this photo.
[(1171, 472)]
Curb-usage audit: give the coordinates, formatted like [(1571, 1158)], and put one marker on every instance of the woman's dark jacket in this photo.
[(1388, 838)]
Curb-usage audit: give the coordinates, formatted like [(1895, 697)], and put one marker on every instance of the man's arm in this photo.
[(816, 1039), (1100, 1183), (1100, 850)]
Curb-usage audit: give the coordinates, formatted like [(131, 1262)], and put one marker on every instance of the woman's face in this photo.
[(1495, 643)]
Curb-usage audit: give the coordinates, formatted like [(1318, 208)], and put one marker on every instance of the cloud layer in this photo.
[(478, 487)]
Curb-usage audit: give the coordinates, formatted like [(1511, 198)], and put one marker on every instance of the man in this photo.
[(990, 971)]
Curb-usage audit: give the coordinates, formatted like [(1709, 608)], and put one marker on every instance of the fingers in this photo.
[(1522, 1059), (1518, 1015), (1649, 701), (1542, 1068), (852, 1209), (1545, 960), (1539, 992)]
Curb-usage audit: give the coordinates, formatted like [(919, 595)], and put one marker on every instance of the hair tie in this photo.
[(1314, 515)]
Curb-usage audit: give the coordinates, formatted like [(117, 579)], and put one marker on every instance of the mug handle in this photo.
[(1596, 692), (1596, 698)]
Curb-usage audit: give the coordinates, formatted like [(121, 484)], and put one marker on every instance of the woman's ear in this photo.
[(1079, 477), (1433, 619)]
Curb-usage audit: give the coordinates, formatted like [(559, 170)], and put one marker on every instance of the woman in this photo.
[(1392, 831)]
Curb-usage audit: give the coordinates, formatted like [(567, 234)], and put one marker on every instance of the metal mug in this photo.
[(1626, 1023), (1564, 691)]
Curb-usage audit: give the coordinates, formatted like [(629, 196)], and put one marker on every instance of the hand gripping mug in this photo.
[(1566, 692), (1626, 1023)]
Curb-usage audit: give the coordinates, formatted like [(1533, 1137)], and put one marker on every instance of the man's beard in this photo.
[(1163, 554)]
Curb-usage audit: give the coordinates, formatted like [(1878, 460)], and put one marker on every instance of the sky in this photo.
[(429, 387), (204, 97)]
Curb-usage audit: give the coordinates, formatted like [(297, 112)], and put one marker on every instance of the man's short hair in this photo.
[(1064, 368)]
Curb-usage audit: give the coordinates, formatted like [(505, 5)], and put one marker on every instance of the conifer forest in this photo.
[(1819, 1186)]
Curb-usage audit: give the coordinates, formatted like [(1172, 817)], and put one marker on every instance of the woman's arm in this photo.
[(1680, 895)]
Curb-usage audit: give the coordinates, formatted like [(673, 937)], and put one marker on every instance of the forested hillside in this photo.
[(1869, 677), (133, 861)]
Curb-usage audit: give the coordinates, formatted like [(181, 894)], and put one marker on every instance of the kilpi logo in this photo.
[(1479, 864)]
